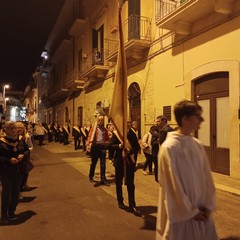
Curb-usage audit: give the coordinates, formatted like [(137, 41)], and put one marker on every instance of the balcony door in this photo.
[(133, 19), (97, 46), (212, 93)]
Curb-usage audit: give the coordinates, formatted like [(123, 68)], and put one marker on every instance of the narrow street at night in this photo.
[(63, 204)]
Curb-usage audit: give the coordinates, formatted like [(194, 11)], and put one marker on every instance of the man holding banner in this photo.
[(125, 165)]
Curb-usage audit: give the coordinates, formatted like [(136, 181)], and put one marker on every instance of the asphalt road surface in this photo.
[(63, 204)]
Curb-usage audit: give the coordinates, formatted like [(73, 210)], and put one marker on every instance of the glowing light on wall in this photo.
[(13, 114)]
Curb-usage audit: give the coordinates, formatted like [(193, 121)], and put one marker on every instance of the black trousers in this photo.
[(40, 139), (135, 156), (56, 136), (84, 143), (148, 162), (11, 185), (98, 151), (50, 137), (119, 177), (65, 139), (155, 161), (24, 181), (76, 143)]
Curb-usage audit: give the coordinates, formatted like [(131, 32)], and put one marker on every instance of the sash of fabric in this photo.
[(118, 137), (66, 129), (83, 132), (136, 132), (76, 128)]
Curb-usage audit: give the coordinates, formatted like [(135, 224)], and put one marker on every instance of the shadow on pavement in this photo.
[(29, 189), (149, 223), (231, 238), (149, 220), (26, 199), (147, 210), (23, 217)]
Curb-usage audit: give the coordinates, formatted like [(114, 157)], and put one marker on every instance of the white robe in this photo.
[(185, 186)]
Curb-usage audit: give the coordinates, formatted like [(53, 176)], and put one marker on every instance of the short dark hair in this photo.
[(154, 128), (186, 108), (162, 117)]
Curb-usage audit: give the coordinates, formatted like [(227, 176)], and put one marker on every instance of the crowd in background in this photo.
[(103, 145), (189, 213)]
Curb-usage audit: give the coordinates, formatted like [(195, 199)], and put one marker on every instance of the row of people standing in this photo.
[(59, 133)]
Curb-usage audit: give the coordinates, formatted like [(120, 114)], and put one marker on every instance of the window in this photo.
[(167, 112)]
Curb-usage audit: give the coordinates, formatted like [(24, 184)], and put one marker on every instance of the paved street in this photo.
[(63, 204)]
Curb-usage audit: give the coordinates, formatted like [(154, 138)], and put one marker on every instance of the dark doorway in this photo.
[(134, 96)]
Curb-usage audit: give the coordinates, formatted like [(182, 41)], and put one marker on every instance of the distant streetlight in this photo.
[(5, 86)]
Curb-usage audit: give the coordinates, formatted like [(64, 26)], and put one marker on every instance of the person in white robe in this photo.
[(186, 192)]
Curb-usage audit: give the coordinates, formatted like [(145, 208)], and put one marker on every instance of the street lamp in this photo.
[(5, 86)]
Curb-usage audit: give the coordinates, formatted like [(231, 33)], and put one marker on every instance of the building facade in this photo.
[(175, 49)]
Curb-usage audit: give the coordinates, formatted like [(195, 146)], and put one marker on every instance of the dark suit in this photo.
[(133, 138), (163, 133), (55, 130), (84, 135), (66, 131), (156, 141), (119, 173), (76, 136)]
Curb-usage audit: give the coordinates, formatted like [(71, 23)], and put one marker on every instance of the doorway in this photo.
[(212, 93), (134, 96)]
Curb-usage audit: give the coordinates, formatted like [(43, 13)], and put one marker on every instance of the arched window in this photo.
[(134, 97)]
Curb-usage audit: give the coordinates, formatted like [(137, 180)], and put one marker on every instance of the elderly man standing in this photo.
[(98, 140)]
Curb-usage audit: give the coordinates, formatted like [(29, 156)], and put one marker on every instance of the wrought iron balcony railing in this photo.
[(95, 58), (134, 28), (164, 8)]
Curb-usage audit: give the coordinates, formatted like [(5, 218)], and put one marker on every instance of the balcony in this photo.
[(73, 84), (180, 15), (137, 39), (93, 65), (57, 92), (78, 21), (60, 48)]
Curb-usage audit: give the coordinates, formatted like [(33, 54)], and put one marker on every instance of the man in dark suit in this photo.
[(84, 130), (133, 137), (66, 132), (122, 165), (55, 129), (163, 129), (76, 133)]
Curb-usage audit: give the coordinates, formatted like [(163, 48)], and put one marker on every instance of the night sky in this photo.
[(24, 29)]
